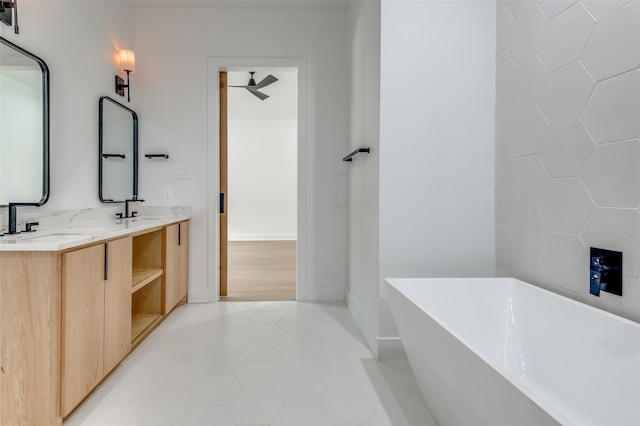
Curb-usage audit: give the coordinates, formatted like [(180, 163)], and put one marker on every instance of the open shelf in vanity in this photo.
[(146, 284)]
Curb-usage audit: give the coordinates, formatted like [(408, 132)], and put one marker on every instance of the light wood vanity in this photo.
[(69, 317)]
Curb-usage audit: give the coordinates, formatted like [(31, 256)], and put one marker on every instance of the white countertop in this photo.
[(70, 236)]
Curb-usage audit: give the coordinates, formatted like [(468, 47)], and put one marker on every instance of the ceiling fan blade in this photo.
[(266, 81), (238, 86), (260, 95)]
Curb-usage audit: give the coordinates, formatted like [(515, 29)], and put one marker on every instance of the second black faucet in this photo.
[(126, 208)]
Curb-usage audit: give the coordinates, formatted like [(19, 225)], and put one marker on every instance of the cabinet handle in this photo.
[(179, 234), (106, 261)]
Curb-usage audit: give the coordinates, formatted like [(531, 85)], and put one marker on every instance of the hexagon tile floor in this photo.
[(262, 363)]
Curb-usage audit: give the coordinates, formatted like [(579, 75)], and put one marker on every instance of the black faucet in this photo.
[(13, 216), (126, 208)]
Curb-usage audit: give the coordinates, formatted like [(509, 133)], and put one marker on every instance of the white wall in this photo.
[(78, 41), (173, 45), (436, 151), (436, 135), (436, 141), (262, 173), (364, 261), (568, 145)]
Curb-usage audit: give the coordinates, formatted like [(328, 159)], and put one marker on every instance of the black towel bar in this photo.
[(357, 151)]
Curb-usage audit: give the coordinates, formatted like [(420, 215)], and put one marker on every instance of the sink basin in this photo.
[(57, 237), (148, 218)]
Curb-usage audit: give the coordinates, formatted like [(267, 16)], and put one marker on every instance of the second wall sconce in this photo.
[(127, 66), (9, 14)]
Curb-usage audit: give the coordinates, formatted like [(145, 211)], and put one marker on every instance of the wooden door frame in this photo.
[(215, 65), (223, 229)]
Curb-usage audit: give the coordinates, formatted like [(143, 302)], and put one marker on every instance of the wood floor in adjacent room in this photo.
[(261, 270)]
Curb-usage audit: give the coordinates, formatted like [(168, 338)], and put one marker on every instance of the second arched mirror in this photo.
[(118, 152)]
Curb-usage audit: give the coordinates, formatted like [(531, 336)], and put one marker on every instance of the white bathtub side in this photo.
[(585, 360), (578, 363), (460, 388)]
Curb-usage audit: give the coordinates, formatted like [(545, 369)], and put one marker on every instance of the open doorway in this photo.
[(258, 180)]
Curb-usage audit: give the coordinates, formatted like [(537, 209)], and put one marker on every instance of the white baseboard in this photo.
[(322, 294), (262, 237), (382, 348), (391, 349), (199, 295)]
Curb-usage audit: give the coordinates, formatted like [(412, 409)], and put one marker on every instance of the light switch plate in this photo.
[(168, 196), (181, 173)]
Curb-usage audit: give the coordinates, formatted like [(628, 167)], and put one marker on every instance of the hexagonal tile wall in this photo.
[(565, 93), (553, 8), (616, 229), (612, 111), (566, 35), (612, 47), (527, 228), (504, 24), (504, 71), (526, 82), (583, 127), (503, 246), (526, 130), (529, 178), (505, 199), (504, 159), (518, 8), (566, 205), (527, 267), (526, 33), (565, 259), (565, 149), (505, 114), (612, 174), (600, 9)]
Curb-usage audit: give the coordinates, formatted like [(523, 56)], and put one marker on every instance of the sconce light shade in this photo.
[(127, 61), (127, 66)]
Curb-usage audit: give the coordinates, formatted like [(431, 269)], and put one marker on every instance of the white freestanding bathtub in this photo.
[(499, 351)]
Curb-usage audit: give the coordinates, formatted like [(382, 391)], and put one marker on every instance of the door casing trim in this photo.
[(214, 66)]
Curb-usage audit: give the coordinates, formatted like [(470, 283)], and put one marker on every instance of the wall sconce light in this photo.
[(127, 66), (7, 16)]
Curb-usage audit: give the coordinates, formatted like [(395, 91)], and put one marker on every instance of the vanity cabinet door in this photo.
[(96, 316), (183, 261), (117, 303), (82, 366), (176, 264), (29, 338)]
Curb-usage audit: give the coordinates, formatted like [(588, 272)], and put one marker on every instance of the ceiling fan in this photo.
[(252, 87)]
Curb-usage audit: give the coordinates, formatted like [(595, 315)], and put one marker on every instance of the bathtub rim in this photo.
[(533, 396)]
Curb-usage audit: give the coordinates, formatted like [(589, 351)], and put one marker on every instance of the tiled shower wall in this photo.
[(567, 147)]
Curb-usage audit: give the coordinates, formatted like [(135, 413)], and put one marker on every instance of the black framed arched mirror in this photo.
[(24, 127), (118, 152)]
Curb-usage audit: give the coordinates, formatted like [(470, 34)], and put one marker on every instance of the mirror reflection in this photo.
[(24, 127), (118, 162)]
